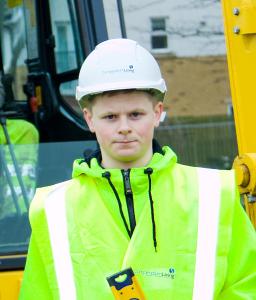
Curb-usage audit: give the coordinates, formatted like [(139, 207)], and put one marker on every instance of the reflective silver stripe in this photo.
[(57, 223), (208, 220)]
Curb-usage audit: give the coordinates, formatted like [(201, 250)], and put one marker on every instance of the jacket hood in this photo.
[(93, 168)]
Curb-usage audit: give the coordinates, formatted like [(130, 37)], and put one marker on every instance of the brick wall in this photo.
[(197, 86)]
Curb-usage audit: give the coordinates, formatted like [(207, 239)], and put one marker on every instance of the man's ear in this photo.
[(88, 118), (158, 109)]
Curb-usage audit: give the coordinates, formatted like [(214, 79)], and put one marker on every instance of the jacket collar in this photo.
[(97, 153), (162, 158)]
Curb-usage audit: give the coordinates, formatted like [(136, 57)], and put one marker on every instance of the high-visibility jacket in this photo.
[(192, 239), (24, 138)]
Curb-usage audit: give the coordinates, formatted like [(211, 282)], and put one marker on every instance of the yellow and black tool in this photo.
[(125, 286)]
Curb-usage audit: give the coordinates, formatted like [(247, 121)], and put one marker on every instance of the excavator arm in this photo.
[(240, 33)]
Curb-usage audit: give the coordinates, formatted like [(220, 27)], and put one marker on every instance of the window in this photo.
[(62, 46), (159, 38), (68, 51), (14, 48), (158, 24), (159, 41)]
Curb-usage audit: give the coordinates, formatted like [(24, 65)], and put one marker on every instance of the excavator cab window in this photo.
[(13, 48), (68, 49), (14, 198)]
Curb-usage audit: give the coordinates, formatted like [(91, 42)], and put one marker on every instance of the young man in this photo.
[(181, 229)]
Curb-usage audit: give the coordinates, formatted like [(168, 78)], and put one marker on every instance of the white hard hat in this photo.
[(119, 64)]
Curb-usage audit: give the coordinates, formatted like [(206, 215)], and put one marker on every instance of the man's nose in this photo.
[(124, 127)]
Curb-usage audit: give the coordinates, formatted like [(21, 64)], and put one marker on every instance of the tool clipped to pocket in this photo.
[(125, 286)]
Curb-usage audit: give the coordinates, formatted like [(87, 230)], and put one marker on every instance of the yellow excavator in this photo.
[(51, 70), (240, 32)]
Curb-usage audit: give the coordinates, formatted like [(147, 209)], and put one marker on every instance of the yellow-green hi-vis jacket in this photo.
[(192, 239), (24, 138)]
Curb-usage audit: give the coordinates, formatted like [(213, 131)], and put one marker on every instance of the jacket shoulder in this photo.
[(37, 205), (228, 174), (200, 175)]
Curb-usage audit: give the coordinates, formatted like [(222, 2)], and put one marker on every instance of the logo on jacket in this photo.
[(160, 273)]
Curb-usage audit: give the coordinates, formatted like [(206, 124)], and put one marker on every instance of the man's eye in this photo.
[(135, 114), (109, 117)]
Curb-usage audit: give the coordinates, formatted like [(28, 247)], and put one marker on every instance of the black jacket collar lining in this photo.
[(97, 153)]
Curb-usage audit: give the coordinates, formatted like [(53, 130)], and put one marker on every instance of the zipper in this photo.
[(129, 199)]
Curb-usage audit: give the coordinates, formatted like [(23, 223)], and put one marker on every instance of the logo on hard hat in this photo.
[(130, 69)]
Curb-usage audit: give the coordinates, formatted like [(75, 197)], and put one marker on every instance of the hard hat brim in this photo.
[(126, 85)]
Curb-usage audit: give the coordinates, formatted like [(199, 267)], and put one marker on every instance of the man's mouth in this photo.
[(125, 141)]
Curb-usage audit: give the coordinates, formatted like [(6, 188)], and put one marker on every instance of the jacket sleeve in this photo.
[(39, 280), (35, 284), (241, 273)]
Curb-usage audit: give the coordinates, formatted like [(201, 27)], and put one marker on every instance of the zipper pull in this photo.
[(127, 183)]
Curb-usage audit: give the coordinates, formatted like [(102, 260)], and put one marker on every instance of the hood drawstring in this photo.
[(107, 176), (149, 171)]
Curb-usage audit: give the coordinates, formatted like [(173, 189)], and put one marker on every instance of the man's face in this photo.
[(124, 126)]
